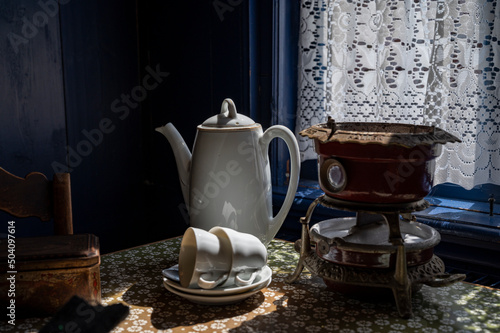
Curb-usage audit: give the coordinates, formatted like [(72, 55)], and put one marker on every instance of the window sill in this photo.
[(469, 218), (462, 218)]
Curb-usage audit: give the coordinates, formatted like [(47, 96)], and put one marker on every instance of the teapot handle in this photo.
[(279, 131)]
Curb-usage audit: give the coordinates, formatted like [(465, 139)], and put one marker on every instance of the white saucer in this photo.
[(261, 281), (216, 300)]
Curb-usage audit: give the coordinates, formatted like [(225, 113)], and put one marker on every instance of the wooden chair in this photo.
[(37, 196)]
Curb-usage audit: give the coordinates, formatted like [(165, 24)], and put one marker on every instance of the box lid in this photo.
[(50, 252)]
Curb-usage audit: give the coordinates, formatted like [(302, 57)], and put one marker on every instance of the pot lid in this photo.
[(228, 117), (406, 135)]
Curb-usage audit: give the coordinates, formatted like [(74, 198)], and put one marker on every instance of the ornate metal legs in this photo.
[(400, 278), (303, 246)]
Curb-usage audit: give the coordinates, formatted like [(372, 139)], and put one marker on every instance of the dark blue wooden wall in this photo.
[(84, 84), (32, 106)]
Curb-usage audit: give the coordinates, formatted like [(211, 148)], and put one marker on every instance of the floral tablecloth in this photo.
[(133, 277)]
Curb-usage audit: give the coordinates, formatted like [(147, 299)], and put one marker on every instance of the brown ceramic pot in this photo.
[(377, 162)]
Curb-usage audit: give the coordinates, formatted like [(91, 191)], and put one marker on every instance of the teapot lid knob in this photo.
[(228, 109), (228, 117)]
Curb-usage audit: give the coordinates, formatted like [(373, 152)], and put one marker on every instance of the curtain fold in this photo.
[(426, 62)]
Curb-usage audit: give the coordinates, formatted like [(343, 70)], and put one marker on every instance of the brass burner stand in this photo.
[(401, 279)]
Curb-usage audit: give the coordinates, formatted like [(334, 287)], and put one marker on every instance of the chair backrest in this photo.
[(37, 196)]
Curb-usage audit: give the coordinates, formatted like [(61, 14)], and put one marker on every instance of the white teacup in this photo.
[(249, 255), (204, 261)]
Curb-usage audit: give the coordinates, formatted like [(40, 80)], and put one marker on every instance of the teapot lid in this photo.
[(228, 117)]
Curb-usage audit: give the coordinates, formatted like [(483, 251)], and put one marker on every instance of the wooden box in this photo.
[(47, 272)]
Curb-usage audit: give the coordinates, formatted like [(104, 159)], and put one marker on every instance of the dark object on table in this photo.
[(79, 316)]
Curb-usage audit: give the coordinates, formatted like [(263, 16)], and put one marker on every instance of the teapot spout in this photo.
[(182, 157)]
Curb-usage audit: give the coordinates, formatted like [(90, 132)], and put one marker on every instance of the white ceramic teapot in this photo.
[(227, 180)]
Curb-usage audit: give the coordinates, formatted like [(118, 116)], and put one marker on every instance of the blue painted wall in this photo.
[(84, 83)]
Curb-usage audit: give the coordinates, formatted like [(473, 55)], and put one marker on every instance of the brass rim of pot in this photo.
[(407, 135)]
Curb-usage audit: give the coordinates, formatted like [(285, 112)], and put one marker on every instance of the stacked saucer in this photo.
[(219, 295)]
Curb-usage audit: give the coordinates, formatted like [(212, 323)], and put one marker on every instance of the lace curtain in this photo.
[(423, 62)]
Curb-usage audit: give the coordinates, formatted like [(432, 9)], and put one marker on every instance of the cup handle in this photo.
[(239, 281), (208, 284)]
